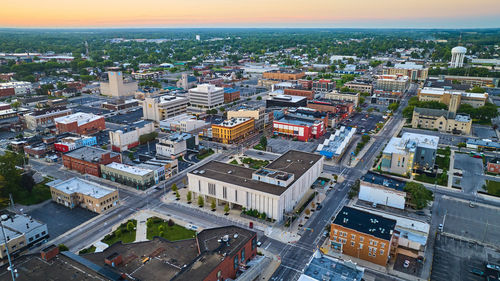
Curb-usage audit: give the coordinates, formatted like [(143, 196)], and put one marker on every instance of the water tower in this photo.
[(457, 56)]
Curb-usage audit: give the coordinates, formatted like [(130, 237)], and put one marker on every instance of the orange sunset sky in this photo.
[(250, 13)]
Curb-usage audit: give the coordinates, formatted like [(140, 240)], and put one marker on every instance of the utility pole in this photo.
[(11, 268)]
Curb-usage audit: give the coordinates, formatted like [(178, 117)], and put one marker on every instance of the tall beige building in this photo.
[(206, 96), (259, 115), (412, 70), (336, 95), (162, 107), (452, 98), (117, 86)]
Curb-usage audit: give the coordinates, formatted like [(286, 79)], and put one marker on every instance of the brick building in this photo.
[(283, 74), (231, 95), (323, 85), (80, 123), (363, 235), (493, 166), (302, 128), (344, 108), (302, 93), (87, 159)]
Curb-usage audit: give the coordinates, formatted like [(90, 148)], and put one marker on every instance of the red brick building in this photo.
[(493, 166), (302, 93), (7, 92), (306, 84), (87, 159), (231, 95), (80, 123)]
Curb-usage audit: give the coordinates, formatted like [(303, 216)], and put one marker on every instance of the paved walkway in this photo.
[(141, 232)]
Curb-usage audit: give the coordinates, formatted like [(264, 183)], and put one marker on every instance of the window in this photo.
[(243, 255), (236, 195), (235, 261), (375, 243), (361, 239), (334, 232), (211, 188), (219, 275), (199, 186), (353, 236), (381, 252), (370, 254), (345, 234), (361, 246), (371, 242), (352, 243), (382, 245), (224, 192)]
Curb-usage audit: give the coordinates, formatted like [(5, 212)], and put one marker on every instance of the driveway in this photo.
[(472, 172)]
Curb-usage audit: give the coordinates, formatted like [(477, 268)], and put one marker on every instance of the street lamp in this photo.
[(11, 268)]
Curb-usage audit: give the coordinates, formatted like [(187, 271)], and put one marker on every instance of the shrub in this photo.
[(170, 222), (63, 248), (201, 203), (130, 226), (189, 196)]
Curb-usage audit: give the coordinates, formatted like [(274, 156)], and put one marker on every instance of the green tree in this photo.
[(161, 228), (174, 187), (263, 141), (130, 226), (177, 195), (201, 202), (226, 208), (63, 248), (461, 145), (259, 98), (189, 196), (393, 106), (212, 204), (419, 195), (477, 89)]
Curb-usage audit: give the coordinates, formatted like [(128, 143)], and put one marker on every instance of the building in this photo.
[(452, 98), (117, 86), (343, 108), (183, 123), (22, 232), (363, 235), (147, 75), (414, 71), (283, 74), (176, 145), (232, 130), (16, 88), (337, 95), (301, 93), (276, 189), (321, 267), (77, 192), (457, 56), (71, 143), (410, 151), (441, 120), (260, 117), (170, 167), (206, 96), (382, 190), (323, 85), (484, 144), (385, 97), (80, 123), (186, 82), (396, 83), (119, 104), (128, 137), (361, 86), (231, 95), (493, 165), (133, 176), (163, 107), (87, 159), (220, 253), (301, 128), (437, 82), (335, 146), (286, 101), (43, 118)]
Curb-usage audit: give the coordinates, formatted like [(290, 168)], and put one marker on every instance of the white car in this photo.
[(259, 244), (440, 227)]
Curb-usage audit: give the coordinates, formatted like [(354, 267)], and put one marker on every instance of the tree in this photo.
[(130, 226), (171, 222), (189, 196), (345, 90), (226, 208), (118, 232), (27, 182), (212, 204), (477, 89), (461, 145), (307, 212), (259, 98), (177, 195), (63, 248), (174, 187), (131, 155), (161, 233), (201, 203), (263, 141), (393, 106), (419, 195), (161, 228)]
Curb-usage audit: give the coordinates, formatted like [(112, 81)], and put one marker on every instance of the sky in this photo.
[(251, 13)]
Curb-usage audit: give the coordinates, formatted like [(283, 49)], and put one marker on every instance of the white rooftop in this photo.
[(81, 118), (233, 122), (78, 185), (408, 65), (206, 88), (129, 169), (442, 91), (409, 142)]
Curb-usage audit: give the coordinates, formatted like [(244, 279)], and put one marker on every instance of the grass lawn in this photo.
[(121, 234), (88, 250), (205, 155), (234, 162), (171, 233), (259, 147), (40, 193), (425, 178), (254, 163), (493, 187), (443, 162)]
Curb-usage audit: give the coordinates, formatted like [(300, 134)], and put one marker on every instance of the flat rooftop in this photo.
[(322, 266), (233, 122), (297, 120), (78, 185), (80, 117), (365, 222), (383, 180), (287, 98), (129, 169), (408, 65), (336, 143), (90, 153), (409, 142), (442, 91), (21, 223)]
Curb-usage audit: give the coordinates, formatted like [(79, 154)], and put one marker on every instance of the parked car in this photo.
[(440, 227), (476, 271)]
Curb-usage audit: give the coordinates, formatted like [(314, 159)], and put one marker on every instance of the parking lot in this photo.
[(453, 259), (472, 172), (126, 118), (484, 132), (59, 218), (480, 223), (281, 145), (364, 122)]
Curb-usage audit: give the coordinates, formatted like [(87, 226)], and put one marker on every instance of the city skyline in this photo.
[(259, 14)]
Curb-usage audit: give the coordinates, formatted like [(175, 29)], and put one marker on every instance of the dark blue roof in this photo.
[(384, 180), (365, 222), (108, 273), (229, 90)]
